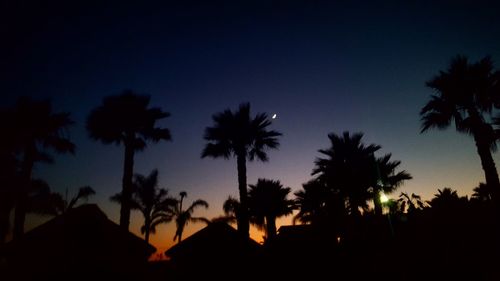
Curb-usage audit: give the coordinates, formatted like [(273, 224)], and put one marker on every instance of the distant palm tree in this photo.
[(410, 203), (482, 193), (183, 217), (84, 193), (153, 202), (127, 119), (445, 198), (231, 208), (349, 169), (239, 135), (34, 128), (465, 96), (268, 200)]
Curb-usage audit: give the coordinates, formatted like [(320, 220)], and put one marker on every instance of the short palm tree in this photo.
[(410, 203), (183, 217), (316, 203), (231, 208), (445, 198), (127, 119), (482, 193), (268, 200), (464, 95), (237, 134), (154, 203), (84, 193), (388, 180), (34, 128), (348, 169)]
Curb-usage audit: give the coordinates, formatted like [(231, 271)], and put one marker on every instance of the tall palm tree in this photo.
[(349, 169), (465, 94), (35, 129), (183, 217), (237, 134), (267, 201), (127, 119), (154, 203)]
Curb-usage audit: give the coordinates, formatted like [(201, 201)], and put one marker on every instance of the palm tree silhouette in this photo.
[(410, 203), (349, 169), (183, 217), (267, 201), (388, 179), (231, 208), (154, 203), (445, 198), (317, 203), (482, 193), (464, 95), (127, 119), (35, 128), (8, 182), (63, 205), (238, 134)]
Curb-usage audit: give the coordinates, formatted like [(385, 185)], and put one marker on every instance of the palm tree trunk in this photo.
[(147, 224), (488, 165), (377, 204), (242, 220), (271, 227), (128, 170), (22, 196), (4, 222)]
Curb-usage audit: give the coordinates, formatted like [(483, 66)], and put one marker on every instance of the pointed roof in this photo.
[(216, 239), (83, 236)]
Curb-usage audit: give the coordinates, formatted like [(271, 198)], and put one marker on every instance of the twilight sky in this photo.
[(322, 66)]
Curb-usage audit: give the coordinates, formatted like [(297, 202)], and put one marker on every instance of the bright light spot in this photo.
[(338, 239), (383, 198), (274, 116)]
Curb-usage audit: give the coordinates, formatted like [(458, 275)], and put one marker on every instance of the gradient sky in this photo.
[(321, 66)]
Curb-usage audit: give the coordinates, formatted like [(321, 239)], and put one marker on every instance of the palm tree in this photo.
[(388, 179), (231, 208), (349, 169), (239, 135), (482, 193), (8, 180), (154, 203), (267, 201), (34, 128), (318, 204), (127, 119), (84, 193), (465, 95), (410, 203), (445, 198), (183, 217)]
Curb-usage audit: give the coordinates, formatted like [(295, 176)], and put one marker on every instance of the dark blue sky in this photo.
[(322, 66)]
